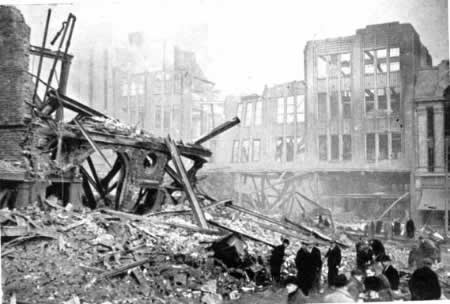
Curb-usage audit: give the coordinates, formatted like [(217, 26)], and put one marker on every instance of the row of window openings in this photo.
[(379, 142), (379, 59), (242, 153), (253, 113), (335, 142), (289, 110), (335, 64), (346, 142), (374, 100), (290, 147)]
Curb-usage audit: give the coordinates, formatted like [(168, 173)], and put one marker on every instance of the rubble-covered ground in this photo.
[(62, 255)]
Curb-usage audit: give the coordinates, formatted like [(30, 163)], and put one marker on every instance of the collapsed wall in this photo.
[(15, 83)]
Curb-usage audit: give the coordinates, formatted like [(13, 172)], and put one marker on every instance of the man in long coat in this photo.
[(276, 260), (305, 270), (334, 258), (316, 260)]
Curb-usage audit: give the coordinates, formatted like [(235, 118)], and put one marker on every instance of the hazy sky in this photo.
[(243, 45)]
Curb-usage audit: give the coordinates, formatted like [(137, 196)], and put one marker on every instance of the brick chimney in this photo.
[(15, 83)]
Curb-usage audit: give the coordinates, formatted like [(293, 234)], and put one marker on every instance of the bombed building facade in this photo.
[(352, 139)]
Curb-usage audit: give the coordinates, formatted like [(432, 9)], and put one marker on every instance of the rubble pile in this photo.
[(53, 254)]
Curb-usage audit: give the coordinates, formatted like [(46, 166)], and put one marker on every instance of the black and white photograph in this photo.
[(224, 151)]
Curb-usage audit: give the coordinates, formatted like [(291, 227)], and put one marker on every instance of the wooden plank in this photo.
[(405, 195), (92, 143), (241, 233), (198, 213)]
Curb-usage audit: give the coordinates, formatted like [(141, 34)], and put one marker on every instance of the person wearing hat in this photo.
[(305, 270), (316, 260), (277, 259), (334, 258), (390, 272)]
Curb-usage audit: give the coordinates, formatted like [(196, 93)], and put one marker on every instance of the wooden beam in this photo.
[(315, 233), (241, 233), (198, 213), (405, 195), (92, 143)]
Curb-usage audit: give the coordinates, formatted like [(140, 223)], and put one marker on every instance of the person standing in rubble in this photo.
[(305, 271), (277, 259), (316, 260), (334, 258), (410, 228)]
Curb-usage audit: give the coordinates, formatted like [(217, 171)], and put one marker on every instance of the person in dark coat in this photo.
[(390, 272), (363, 255), (277, 259), (424, 285), (305, 271), (377, 249), (410, 228), (334, 258), (316, 260)]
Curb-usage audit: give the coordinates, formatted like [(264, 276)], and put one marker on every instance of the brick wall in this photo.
[(15, 83)]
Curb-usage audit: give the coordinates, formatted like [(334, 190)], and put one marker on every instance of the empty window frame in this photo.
[(322, 67), (382, 99), (395, 99), (300, 152), (289, 149), (394, 52), (124, 89), (235, 152), (323, 151), (290, 109), (345, 64), (300, 108), (334, 147), (369, 61), (158, 116), (256, 150), (346, 147), (279, 149), (322, 106), (248, 114), (394, 66), (381, 67), (133, 89), (245, 151), (346, 97), (381, 53), (280, 110), (239, 110), (430, 138), (369, 98), (258, 113), (396, 145), (383, 146), (334, 104), (370, 146)]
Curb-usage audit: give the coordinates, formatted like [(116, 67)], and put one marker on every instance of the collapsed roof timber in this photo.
[(61, 152)]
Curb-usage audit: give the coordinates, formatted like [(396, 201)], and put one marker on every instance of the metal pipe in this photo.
[(217, 130), (44, 41)]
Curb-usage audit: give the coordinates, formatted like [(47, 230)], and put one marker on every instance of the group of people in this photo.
[(308, 262), (374, 274)]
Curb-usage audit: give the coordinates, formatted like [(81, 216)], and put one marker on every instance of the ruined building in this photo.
[(352, 146), (48, 142)]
